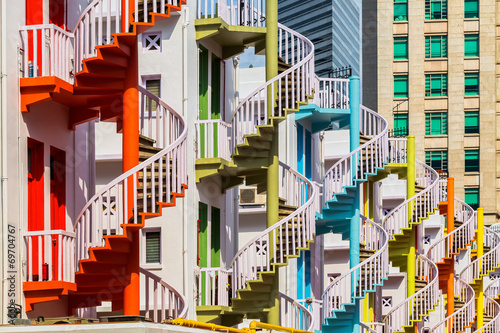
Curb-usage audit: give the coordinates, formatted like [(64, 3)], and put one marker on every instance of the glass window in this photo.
[(472, 160), (153, 247), (471, 122), (401, 48), (436, 46), (471, 83), (436, 84), (436, 9), (437, 159), (471, 9), (472, 197), (400, 86), (436, 123), (400, 10), (471, 46), (400, 124)]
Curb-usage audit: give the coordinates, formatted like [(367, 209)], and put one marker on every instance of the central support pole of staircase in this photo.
[(480, 252), (355, 231), (450, 225), (131, 292), (410, 192), (272, 198)]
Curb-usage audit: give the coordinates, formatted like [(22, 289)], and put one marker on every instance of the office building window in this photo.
[(436, 9), (471, 9), (400, 124), (400, 86), (436, 84), (436, 46), (437, 159), (471, 122), (472, 160), (472, 197), (436, 123), (471, 46), (400, 10), (471, 83), (400, 47)]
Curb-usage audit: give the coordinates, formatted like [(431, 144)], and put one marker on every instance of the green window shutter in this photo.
[(436, 85), (427, 46), (435, 48), (153, 247), (472, 197), (436, 9), (400, 86), (401, 48), (436, 123), (401, 124), (471, 9), (472, 160), (471, 46), (471, 122), (471, 83), (444, 46), (400, 10)]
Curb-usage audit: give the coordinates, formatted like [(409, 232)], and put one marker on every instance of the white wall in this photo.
[(395, 287)]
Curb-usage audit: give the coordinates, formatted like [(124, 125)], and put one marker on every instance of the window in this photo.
[(153, 247), (471, 83), (153, 86), (471, 46), (436, 123), (436, 85), (437, 159), (387, 301), (472, 160), (400, 124), (427, 240), (436, 9), (436, 46), (471, 9), (400, 47), (151, 42), (400, 86), (471, 122), (400, 10), (472, 197)]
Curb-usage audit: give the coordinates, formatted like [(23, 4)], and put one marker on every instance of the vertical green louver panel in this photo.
[(203, 243), (216, 96), (471, 46), (203, 96), (436, 123), (436, 46), (436, 9)]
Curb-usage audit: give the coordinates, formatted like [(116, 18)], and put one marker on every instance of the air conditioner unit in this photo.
[(249, 197)]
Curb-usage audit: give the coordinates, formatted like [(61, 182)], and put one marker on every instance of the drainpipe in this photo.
[(185, 24), (3, 121)]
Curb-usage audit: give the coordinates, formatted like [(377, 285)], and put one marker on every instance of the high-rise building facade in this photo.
[(333, 27), (436, 66)]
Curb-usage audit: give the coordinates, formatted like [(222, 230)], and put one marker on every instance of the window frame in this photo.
[(473, 191), (471, 131), (429, 78), (429, 13), (398, 78), (471, 16), (470, 91), (146, 36), (400, 3), (443, 40), (444, 162), (476, 166), (144, 231), (429, 116), (470, 37), (401, 130), (403, 40)]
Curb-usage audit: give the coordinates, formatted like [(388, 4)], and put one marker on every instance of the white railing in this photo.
[(459, 238), (249, 13), (372, 327), (214, 286), (363, 277), (397, 150), (488, 262), (443, 190), (295, 315), (491, 309), (419, 206), (161, 176), (213, 139), (315, 307), (295, 50), (365, 159), (463, 317), (418, 304), (495, 227), (54, 249), (258, 255), (162, 301), (332, 93), (48, 50)]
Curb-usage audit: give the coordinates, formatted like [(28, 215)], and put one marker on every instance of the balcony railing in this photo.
[(213, 138), (248, 13)]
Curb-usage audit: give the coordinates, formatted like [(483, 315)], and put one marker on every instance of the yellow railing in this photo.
[(254, 325)]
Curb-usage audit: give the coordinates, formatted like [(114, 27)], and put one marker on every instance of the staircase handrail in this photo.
[(339, 92), (365, 328), (376, 267), (401, 216), (463, 317), (178, 298), (304, 217), (459, 238), (340, 174), (177, 151), (243, 123), (487, 262), (403, 313), (492, 309), (305, 319), (495, 227)]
